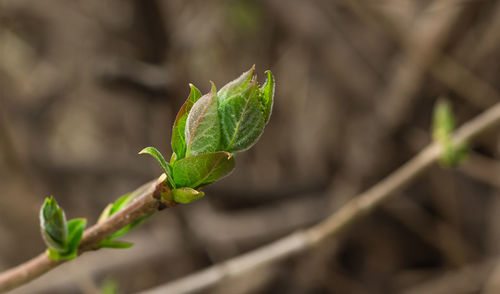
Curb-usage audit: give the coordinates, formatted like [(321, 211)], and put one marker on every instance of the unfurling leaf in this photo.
[(203, 169), (178, 131), (186, 195), (202, 131), (161, 160)]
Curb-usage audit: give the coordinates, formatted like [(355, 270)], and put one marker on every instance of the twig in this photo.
[(333, 225), (145, 203)]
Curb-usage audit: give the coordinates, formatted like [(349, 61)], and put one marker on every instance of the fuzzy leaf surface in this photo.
[(202, 169), (236, 86), (202, 126)]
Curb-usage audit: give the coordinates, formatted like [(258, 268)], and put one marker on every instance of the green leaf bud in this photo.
[(53, 225)]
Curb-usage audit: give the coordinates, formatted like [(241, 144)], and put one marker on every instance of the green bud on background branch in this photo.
[(443, 126)]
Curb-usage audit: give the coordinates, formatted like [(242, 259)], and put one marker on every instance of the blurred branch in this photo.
[(336, 223), (145, 203)]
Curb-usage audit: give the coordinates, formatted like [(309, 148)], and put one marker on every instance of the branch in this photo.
[(146, 202), (336, 223)]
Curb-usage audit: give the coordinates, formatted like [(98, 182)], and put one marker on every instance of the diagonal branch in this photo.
[(334, 224)]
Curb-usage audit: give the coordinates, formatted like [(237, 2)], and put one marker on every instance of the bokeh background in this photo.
[(85, 85)]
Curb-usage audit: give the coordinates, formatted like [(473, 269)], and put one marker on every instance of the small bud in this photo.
[(186, 195), (53, 224)]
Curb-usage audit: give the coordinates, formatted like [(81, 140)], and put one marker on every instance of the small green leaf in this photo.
[(161, 160), (202, 169), (70, 250), (242, 120), (115, 244), (202, 131), (53, 224), (266, 94), (186, 195), (178, 131), (75, 232)]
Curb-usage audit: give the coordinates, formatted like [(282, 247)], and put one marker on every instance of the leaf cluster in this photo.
[(210, 129)]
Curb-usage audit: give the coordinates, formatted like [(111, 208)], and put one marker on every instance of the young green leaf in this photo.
[(202, 131), (161, 160), (75, 232), (186, 195), (53, 225), (242, 120), (266, 95), (178, 131), (203, 169)]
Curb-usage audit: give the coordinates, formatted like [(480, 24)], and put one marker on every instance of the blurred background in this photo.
[(85, 85)]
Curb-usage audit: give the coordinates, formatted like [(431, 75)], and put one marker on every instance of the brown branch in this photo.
[(336, 223), (146, 202)]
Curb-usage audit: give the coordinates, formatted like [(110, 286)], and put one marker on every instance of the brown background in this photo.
[(85, 85)]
